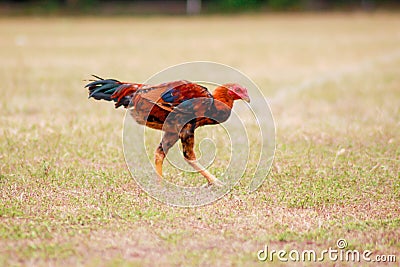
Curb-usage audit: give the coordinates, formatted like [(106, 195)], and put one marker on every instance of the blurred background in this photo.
[(9, 7)]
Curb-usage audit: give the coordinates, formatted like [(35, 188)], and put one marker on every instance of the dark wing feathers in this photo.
[(180, 96), (153, 93), (170, 95)]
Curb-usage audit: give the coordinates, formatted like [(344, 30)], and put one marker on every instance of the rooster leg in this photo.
[(167, 141), (187, 139)]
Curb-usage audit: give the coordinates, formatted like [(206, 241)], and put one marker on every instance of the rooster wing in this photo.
[(184, 100), (178, 96)]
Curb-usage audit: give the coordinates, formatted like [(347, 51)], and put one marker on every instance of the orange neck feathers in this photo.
[(221, 94)]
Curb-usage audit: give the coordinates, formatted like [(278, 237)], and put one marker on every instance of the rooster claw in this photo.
[(216, 183)]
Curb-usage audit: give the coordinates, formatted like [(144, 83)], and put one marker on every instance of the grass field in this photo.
[(67, 198)]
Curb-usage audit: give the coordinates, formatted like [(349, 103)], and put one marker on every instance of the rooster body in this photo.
[(177, 108)]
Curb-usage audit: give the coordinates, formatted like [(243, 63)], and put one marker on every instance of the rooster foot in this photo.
[(215, 182)]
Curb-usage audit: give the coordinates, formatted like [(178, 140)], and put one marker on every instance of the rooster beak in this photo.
[(246, 98)]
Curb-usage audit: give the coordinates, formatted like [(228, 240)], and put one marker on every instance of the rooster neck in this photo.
[(220, 110), (224, 100)]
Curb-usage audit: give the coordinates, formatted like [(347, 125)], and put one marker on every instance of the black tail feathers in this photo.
[(103, 89)]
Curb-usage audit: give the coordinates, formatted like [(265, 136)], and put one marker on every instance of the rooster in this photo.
[(177, 108)]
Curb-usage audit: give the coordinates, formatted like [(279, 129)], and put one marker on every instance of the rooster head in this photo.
[(237, 92)]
